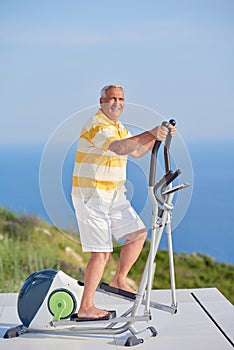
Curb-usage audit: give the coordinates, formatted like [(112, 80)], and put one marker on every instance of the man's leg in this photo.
[(93, 275), (129, 254)]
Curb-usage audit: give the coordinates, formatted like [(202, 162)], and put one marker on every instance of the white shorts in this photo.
[(99, 219)]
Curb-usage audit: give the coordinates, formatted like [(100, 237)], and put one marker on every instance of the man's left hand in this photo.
[(172, 130)]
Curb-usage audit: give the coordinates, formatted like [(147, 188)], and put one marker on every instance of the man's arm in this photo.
[(137, 146)]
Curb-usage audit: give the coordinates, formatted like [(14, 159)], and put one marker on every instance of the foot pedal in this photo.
[(75, 318), (124, 293)]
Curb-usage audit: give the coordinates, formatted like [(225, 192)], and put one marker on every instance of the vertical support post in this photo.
[(171, 261)]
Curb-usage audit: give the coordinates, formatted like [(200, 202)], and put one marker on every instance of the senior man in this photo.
[(98, 194)]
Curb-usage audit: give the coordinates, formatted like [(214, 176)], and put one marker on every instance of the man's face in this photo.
[(113, 103)]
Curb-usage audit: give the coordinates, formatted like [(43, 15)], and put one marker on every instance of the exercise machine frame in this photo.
[(161, 194)]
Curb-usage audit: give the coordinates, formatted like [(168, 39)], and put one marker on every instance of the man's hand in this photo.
[(160, 132), (172, 129)]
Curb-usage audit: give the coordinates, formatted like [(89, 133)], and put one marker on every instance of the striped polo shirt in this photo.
[(99, 172)]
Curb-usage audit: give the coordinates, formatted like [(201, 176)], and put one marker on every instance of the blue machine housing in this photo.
[(33, 293)]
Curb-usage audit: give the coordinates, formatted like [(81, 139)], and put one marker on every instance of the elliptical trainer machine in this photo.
[(48, 298)]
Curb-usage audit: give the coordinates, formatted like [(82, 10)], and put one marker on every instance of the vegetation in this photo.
[(27, 244)]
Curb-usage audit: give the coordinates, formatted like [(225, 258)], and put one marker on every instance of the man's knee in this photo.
[(140, 234), (102, 257)]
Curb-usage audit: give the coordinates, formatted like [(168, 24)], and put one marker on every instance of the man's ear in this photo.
[(101, 100)]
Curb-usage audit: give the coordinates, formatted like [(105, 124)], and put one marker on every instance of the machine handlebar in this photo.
[(154, 154)]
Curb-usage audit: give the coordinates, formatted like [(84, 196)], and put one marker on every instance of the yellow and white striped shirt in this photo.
[(99, 172)]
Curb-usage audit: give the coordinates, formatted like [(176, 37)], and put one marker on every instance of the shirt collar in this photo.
[(103, 116)]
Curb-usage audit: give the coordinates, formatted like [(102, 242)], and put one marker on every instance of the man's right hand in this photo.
[(160, 132)]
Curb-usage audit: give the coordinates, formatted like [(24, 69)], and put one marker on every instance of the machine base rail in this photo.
[(131, 340)]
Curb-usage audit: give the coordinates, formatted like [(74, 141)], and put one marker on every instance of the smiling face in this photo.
[(112, 103)]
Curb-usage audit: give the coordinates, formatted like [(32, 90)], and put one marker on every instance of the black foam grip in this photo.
[(153, 162), (166, 148)]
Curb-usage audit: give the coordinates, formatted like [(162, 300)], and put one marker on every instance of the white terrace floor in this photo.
[(205, 320)]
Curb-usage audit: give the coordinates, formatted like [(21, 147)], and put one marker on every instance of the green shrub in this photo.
[(28, 244)]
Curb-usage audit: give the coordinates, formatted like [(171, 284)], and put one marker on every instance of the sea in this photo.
[(205, 225)]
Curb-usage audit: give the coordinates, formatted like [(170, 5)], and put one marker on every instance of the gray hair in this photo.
[(107, 87)]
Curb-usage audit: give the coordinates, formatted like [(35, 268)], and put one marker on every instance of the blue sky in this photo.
[(173, 56)]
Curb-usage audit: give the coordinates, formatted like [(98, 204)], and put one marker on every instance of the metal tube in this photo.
[(171, 262)]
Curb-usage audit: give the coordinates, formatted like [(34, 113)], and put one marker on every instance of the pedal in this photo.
[(75, 318), (121, 292)]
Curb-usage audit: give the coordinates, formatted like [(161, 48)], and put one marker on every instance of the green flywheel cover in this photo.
[(61, 304)]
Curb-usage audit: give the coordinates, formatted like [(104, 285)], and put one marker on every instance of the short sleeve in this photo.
[(103, 136)]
